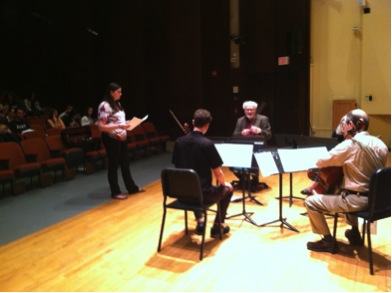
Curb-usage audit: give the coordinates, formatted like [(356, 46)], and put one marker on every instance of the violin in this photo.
[(186, 128)]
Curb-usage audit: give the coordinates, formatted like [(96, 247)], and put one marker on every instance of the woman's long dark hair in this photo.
[(115, 105), (51, 113)]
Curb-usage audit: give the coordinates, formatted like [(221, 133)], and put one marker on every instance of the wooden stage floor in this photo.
[(113, 248)]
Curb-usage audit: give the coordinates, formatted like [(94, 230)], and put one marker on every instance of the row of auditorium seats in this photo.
[(66, 153)]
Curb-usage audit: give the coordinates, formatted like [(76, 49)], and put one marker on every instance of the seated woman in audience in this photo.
[(54, 121), (87, 119)]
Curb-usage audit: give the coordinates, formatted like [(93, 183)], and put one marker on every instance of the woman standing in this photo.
[(112, 124)]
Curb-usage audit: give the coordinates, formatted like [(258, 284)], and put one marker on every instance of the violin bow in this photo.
[(178, 122)]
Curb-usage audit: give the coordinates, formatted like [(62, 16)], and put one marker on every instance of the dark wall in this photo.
[(184, 60), (273, 29), (167, 54), (47, 48)]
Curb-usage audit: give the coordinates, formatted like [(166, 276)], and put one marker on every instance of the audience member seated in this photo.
[(6, 114), (6, 133), (88, 119), (11, 98), (28, 106), (3, 117), (75, 122), (36, 104), (19, 124), (32, 105), (69, 117), (54, 121)]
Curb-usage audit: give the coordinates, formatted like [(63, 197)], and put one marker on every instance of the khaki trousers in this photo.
[(320, 204)]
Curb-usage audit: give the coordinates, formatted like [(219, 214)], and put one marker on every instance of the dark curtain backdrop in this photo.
[(167, 54)]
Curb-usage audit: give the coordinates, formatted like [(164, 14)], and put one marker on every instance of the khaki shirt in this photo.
[(360, 157)]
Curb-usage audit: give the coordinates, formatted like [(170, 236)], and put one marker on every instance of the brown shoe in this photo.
[(322, 246)]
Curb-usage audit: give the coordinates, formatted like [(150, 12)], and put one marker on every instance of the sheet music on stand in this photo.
[(267, 164), (235, 155), (240, 156), (294, 160), (287, 161), (239, 163)]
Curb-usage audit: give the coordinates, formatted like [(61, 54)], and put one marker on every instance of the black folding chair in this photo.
[(182, 191), (379, 207)]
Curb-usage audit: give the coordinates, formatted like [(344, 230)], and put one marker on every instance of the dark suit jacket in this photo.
[(261, 121)]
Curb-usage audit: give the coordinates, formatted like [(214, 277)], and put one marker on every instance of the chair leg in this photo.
[(45, 179), (203, 237), (335, 225), (69, 173), (162, 227), (186, 222), (220, 221), (363, 231), (369, 248), (18, 187)]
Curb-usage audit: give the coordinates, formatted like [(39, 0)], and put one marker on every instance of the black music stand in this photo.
[(294, 141), (246, 175), (291, 196), (310, 142), (315, 151), (239, 156), (301, 159), (258, 144), (288, 161), (269, 162), (290, 141)]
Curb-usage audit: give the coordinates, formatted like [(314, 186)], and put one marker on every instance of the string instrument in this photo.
[(184, 127), (326, 180), (261, 107)]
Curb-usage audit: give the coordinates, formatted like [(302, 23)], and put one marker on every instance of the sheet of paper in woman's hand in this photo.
[(135, 121)]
